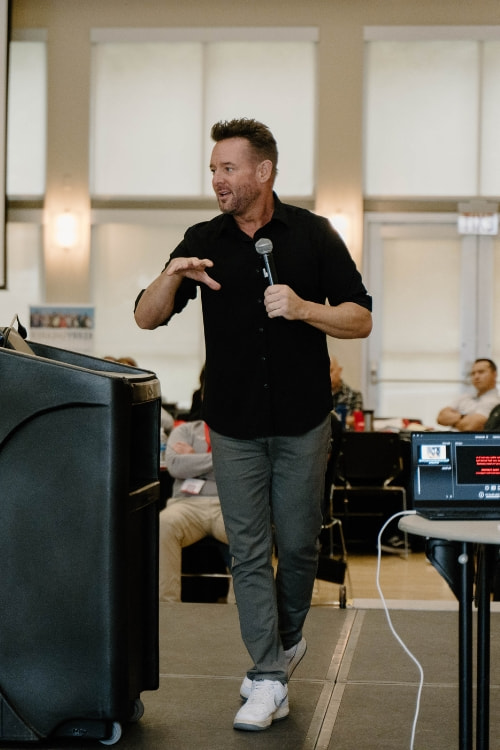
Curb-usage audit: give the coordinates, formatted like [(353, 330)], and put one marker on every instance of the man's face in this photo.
[(235, 176), (482, 377)]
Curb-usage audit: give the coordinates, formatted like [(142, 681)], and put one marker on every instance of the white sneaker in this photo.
[(292, 655), (267, 702)]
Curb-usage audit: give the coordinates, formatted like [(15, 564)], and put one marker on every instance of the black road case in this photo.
[(79, 497)]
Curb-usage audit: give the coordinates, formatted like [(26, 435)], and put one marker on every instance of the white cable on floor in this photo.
[(398, 638)]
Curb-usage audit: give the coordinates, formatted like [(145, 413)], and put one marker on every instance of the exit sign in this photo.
[(478, 224), (478, 217)]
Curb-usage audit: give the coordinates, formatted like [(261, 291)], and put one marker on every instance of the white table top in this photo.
[(481, 532)]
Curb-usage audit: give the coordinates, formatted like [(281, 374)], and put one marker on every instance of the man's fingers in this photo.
[(183, 265), (193, 268)]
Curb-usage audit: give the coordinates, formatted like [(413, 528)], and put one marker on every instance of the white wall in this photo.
[(24, 261), (126, 257)]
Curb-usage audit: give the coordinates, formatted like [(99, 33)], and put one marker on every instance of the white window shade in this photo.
[(26, 119), (490, 121), (421, 118), (145, 125), (155, 102), (275, 84)]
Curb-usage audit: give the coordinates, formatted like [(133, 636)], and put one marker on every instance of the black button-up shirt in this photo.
[(265, 376)]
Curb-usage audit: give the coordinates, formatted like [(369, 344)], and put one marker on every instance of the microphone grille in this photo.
[(264, 246)]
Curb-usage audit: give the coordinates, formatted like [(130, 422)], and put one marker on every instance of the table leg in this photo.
[(485, 557), (466, 560)]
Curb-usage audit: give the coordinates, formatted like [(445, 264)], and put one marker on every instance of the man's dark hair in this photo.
[(489, 361), (258, 135)]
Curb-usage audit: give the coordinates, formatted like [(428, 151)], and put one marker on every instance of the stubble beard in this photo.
[(239, 203)]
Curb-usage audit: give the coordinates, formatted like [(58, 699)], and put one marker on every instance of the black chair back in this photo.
[(369, 458)]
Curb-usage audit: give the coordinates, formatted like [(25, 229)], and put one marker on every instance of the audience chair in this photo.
[(492, 424), (365, 492), (332, 560)]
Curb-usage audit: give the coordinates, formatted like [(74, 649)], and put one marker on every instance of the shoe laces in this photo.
[(264, 691)]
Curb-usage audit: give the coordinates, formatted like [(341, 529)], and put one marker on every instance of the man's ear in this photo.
[(265, 170)]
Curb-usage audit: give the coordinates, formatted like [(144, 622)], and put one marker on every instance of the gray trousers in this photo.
[(271, 492)]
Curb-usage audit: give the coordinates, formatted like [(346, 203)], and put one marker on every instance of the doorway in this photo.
[(436, 299)]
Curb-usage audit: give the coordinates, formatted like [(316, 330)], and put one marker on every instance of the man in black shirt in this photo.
[(267, 394)]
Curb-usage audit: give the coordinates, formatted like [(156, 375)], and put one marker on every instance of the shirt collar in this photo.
[(228, 224)]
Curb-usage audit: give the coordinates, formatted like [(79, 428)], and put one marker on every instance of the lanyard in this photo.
[(207, 438)]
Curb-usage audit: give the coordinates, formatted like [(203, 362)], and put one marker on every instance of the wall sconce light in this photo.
[(342, 223), (66, 230)]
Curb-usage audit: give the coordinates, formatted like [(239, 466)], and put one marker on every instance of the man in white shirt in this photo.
[(468, 413)]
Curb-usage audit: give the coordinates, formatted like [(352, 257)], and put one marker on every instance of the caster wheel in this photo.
[(116, 733), (137, 711), (342, 597)]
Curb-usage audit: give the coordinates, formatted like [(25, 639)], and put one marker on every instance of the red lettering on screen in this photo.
[(487, 466)]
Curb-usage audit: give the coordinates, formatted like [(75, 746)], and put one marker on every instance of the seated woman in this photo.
[(193, 511)]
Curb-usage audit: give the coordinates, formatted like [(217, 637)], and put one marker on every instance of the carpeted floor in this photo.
[(355, 689)]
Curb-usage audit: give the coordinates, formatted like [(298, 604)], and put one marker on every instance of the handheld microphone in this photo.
[(265, 248)]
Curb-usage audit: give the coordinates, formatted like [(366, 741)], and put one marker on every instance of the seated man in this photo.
[(343, 393), (193, 511), (469, 412)]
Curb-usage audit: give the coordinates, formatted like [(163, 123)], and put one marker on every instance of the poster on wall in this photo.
[(68, 327)]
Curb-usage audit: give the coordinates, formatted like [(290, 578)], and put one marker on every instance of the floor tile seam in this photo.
[(350, 645), (402, 683), (321, 727), (423, 605), (325, 681), (190, 676), (328, 683), (322, 723)]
